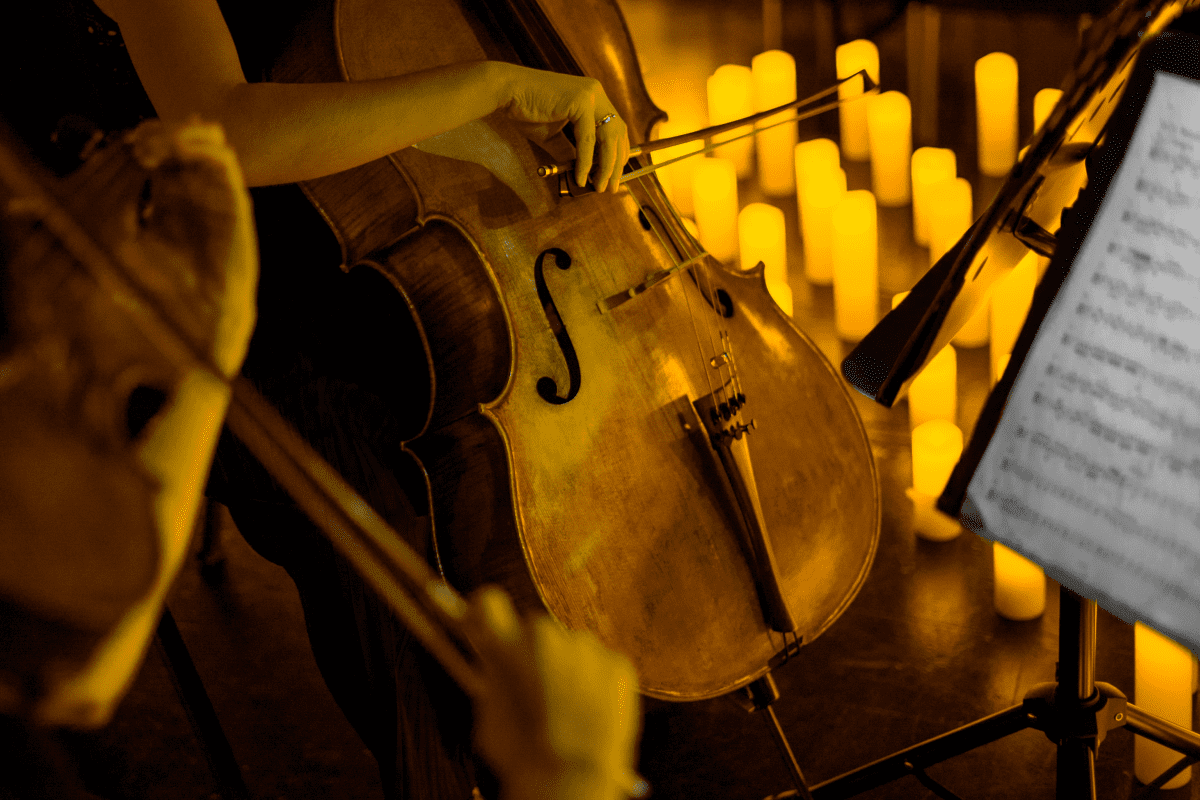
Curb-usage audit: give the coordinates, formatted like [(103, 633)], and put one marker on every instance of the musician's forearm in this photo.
[(288, 132)]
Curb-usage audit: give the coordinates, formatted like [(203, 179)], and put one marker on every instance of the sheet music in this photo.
[(1094, 470)]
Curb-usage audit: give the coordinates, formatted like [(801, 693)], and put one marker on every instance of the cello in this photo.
[(621, 430)]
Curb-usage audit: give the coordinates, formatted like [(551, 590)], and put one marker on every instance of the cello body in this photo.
[(560, 453)]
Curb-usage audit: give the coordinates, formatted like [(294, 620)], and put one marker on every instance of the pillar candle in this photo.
[(1162, 678), (1019, 589), (975, 332), (889, 132), (730, 97), (855, 264), (950, 213), (1012, 296), (813, 156), (715, 195), (677, 178), (933, 394), (1001, 365), (774, 75), (996, 113), (1043, 103), (852, 117), (822, 191), (761, 237), (936, 448), (930, 166)]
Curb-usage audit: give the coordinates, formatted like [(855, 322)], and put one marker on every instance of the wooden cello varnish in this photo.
[(601, 508)]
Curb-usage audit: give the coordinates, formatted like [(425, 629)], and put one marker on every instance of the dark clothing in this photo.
[(312, 355)]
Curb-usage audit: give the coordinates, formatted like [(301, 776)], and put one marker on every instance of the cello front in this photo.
[(562, 452)]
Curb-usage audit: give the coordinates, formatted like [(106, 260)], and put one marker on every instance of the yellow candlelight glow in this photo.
[(813, 156), (823, 190), (996, 113), (1162, 678), (730, 97), (936, 447), (1011, 298), (855, 264), (852, 117), (930, 166), (677, 178), (774, 75), (1001, 365), (950, 213), (933, 394), (761, 237), (889, 131), (1043, 103), (691, 228), (1019, 590), (715, 196)]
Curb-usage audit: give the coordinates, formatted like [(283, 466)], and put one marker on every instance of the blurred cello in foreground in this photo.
[(621, 429)]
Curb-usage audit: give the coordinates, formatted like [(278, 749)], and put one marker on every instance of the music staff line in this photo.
[(1115, 437), (1142, 263), (1154, 339), (1115, 517), (1167, 383), (1154, 302), (1158, 192), (1013, 506), (1137, 406), (1169, 149), (1158, 229)]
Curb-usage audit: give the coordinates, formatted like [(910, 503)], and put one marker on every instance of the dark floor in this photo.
[(919, 651)]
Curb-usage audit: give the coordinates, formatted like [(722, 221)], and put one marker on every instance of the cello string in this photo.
[(700, 271), (653, 200)]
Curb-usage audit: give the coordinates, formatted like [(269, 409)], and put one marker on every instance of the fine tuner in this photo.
[(568, 186)]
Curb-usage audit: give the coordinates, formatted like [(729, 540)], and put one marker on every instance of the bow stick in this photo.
[(869, 87)]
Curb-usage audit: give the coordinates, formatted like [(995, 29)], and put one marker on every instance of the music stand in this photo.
[(1076, 712)]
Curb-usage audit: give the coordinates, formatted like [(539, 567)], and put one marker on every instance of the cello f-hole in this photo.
[(547, 388)]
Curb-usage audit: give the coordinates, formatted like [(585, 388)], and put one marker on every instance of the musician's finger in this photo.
[(585, 142), (609, 132)]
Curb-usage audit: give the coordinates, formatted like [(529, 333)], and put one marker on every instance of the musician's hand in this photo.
[(562, 718), (194, 243), (549, 100)]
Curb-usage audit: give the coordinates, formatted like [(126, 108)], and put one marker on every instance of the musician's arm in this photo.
[(188, 64)]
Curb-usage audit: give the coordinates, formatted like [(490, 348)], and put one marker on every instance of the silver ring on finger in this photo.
[(606, 119)]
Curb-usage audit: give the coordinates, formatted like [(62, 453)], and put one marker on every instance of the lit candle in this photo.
[(996, 113), (949, 211), (855, 264), (1019, 591), (1001, 365), (936, 448), (852, 117), (975, 332), (933, 394), (730, 97), (815, 155), (761, 237), (1043, 103), (822, 191), (677, 178), (774, 74), (715, 195), (930, 166), (1012, 296), (889, 131), (1162, 678)]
